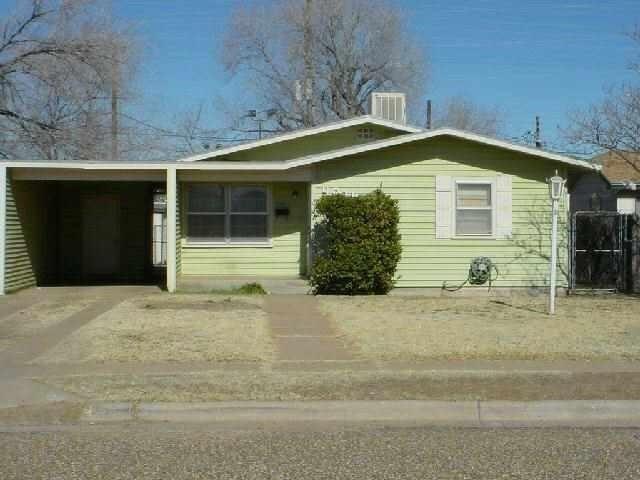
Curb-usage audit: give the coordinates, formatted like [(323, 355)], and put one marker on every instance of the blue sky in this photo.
[(535, 57)]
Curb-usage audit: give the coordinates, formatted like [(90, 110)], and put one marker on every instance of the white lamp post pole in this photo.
[(554, 257), (556, 187)]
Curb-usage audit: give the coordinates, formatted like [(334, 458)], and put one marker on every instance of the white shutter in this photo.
[(444, 205), (504, 207)]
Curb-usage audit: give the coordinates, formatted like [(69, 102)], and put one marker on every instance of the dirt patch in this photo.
[(417, 328), (209, 305), (229, 330), (353, 385)]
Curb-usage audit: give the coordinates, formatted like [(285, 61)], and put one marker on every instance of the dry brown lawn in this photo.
[(180, 328), (264, 384), (412, 328)]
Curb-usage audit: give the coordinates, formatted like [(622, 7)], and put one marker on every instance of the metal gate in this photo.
[(159, 226), (598, 251)]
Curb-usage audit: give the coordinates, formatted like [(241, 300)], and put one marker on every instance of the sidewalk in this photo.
[(493, 414), (301, 332)]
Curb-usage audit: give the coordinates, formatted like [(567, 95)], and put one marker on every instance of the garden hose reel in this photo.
[(481, 271)]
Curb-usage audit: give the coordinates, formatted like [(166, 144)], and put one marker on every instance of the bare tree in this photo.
[(64, 65), (464, 114), (612, 125), (319, 60), (191, 135)]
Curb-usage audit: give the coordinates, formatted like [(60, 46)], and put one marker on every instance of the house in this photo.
[(624, 176), (605, 207), (246, 211), (616, 189)]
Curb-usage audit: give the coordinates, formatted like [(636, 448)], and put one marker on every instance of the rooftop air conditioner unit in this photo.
[(390, 106)]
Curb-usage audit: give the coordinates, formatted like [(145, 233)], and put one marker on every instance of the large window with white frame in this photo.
[(227, 214), (474, 208)]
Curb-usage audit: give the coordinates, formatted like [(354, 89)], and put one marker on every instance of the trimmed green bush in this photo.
[(253, 288), (356, 244)]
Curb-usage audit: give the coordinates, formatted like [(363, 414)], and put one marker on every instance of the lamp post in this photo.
[(556, 189)]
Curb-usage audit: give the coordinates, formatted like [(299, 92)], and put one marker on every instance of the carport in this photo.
[(81, 226)]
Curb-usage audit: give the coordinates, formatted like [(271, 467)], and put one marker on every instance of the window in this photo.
[(227, 214), (366, 133), (474, 208)]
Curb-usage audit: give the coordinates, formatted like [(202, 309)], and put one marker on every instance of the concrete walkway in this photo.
[(301, 332)]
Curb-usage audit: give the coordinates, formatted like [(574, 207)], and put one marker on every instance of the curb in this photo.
[(105, 412), (496, 414)]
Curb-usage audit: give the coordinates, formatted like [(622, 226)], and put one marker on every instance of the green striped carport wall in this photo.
[(22, 233)]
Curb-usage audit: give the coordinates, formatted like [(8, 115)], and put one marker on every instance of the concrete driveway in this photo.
[(33, 321)]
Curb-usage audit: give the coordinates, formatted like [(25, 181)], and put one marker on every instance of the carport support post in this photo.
[(3, 224), (171, 228)]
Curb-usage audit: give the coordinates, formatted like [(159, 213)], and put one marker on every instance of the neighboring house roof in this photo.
[(321, 157), (618, 169), (327, 127)]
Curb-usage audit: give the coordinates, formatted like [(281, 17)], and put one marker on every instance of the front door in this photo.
[(101, 237)]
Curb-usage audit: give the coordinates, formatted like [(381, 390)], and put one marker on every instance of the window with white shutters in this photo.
[(477, 207)]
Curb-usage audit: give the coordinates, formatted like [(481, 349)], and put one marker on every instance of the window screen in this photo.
[(474, 213)]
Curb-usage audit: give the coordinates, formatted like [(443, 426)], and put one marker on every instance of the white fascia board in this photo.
[(106, 166), (87, 165), (404, 139), (328, 127)]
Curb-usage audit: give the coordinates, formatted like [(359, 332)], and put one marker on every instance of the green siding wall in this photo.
[(304, 146), (285, 258), (408, 174), (25, 233)]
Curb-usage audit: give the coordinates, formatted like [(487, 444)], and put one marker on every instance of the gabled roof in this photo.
[(225, 165), (441, 132), (327, 127)]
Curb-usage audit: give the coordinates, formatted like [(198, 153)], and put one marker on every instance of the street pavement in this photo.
[(315, 451)]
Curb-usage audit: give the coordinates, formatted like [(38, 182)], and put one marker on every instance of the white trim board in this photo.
[(304, 132)]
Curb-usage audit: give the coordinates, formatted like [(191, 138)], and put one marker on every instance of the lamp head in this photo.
[(556, 186)]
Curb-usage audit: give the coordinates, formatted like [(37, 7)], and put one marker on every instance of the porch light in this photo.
[(556, 189)]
